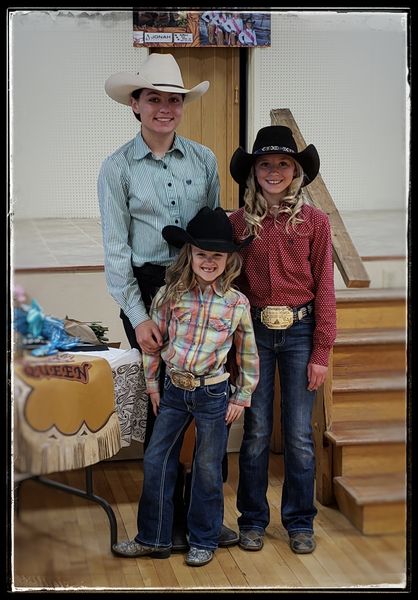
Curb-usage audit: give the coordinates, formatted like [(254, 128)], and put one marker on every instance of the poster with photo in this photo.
[(208, 28)]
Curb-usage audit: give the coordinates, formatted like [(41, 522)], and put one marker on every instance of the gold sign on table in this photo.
[(64, 413)]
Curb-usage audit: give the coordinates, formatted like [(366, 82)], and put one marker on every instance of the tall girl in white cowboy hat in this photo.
[(156, 179), (199, 315), (287, 275)]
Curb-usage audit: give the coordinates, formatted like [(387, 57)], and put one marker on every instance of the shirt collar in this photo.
[(215, 287), (141, 149)]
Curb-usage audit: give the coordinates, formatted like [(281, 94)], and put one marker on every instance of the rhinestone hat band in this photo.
[(275, 148)]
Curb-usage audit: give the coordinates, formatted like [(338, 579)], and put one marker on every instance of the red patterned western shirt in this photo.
[(292, 268)]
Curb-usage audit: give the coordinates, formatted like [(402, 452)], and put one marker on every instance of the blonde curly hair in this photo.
[(256, 207), (180, 278)]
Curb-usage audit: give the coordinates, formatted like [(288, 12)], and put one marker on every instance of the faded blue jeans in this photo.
[(208, 406), (291, 349)]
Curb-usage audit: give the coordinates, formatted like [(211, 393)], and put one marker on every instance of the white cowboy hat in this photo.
[(158, 72)]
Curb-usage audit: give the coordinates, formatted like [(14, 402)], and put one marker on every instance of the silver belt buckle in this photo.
[(183, 380), (277, 317)]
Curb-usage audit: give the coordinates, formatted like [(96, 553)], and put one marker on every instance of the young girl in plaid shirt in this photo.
[(200, 315)]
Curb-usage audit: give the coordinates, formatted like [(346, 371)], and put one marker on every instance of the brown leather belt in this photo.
[(281, 317), (188, 381)]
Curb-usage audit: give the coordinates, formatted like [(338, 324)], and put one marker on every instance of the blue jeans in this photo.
[(208, 406), (291, 348)]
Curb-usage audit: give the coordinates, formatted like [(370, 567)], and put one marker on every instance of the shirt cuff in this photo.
[(320, 356), (152, 385), (137, 315), (240, 398)]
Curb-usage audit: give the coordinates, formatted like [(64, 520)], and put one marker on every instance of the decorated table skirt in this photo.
[(72, 410)]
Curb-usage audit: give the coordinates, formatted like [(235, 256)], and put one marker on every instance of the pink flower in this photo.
[(19, 294)]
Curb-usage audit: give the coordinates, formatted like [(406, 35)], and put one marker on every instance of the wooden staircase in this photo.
[(359, 418), (365, 412)]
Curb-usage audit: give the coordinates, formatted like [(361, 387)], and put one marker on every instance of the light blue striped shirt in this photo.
[(139, 194)]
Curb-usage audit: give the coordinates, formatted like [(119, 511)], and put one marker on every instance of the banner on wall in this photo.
[(204, 29)]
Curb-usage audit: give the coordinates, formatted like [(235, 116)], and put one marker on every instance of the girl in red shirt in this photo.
[(287, 275)]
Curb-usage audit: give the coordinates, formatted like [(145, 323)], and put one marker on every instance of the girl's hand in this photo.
[(233, 413), (316, 376), (155, 401)]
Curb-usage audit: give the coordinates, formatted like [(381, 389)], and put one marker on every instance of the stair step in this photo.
[(365, 351), (376, 505), (370, 295), (360, 361), (374, 489), (365, 447), (358, 401), (387, 382), (363, 459), (348, 433), (355, 337), (371, 308)]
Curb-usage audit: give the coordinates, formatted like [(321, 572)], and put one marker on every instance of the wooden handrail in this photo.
[(346, 256)]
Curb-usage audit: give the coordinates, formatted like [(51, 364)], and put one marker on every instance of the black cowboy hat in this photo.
[(209, 230), (275, 139)]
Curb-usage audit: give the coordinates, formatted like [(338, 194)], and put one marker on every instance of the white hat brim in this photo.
[(120, 86)]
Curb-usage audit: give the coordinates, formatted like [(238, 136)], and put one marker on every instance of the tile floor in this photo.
[(40, 243), (43, 243)]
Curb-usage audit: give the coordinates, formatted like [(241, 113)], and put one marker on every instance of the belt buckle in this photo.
[(183, 380), (277, 317)]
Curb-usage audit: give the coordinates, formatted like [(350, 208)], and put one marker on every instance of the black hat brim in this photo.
[(177, 237), (241, 163)]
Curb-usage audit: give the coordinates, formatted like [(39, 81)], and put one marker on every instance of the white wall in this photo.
[(78, 295), (343, 75), (63, 123)]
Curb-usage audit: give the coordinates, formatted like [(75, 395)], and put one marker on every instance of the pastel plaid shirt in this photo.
[(198, 331)]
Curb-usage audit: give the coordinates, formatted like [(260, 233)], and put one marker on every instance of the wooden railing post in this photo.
[(346, 256), (321, 421)]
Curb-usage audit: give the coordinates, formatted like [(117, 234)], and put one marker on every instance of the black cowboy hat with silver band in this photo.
[(275, 139)]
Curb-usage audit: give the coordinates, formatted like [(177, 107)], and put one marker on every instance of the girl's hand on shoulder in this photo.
[(233, 412), (155, 401), (316, 376)]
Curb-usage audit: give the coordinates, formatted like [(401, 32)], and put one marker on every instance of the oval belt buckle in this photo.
[(183, 380), (277, 317)]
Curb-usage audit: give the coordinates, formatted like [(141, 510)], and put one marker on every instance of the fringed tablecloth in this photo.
[(72, 410)]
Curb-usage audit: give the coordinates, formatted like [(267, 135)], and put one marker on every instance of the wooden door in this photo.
[(213, 119)]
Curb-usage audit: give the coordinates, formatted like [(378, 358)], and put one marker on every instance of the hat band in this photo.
[(180, 87), (275, 148), (212, 240)]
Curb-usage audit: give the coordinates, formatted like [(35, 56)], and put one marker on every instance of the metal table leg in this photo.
[(88, 494)]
